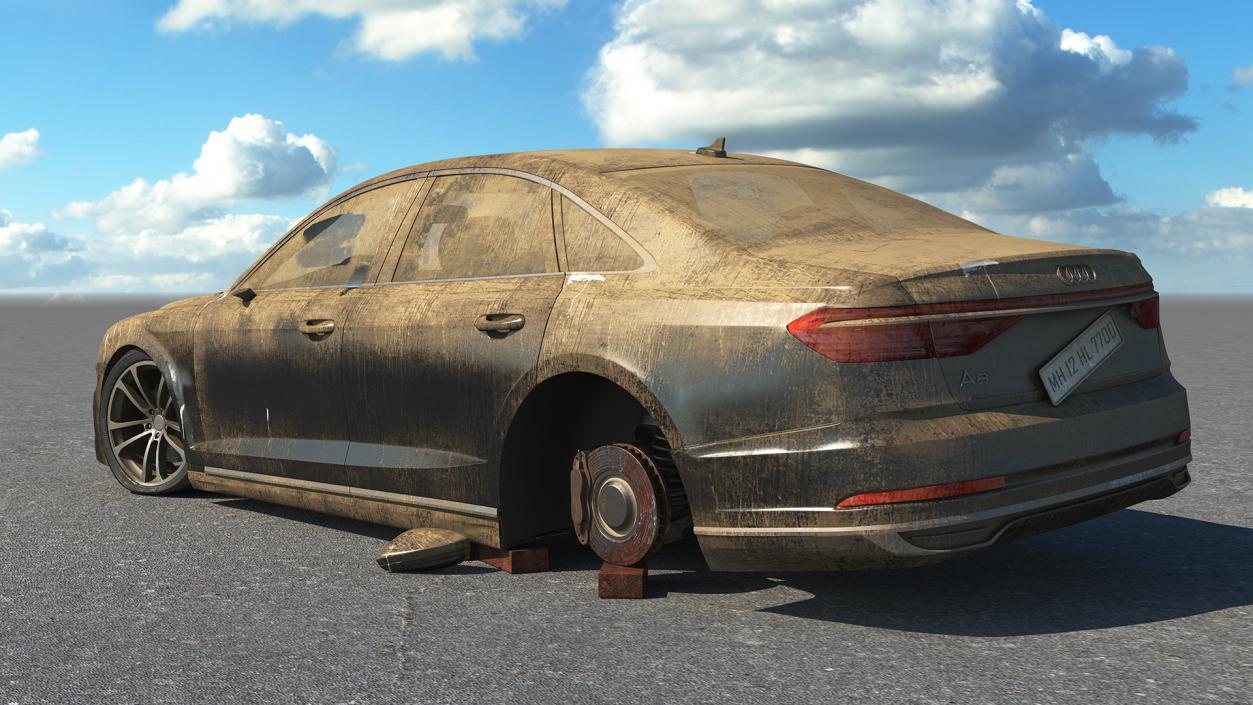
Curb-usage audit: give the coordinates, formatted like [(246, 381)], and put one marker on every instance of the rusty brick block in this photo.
[(621, 582), (514, 560)]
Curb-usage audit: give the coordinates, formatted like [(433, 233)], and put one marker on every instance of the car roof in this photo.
[(557, 165), (603, 161)]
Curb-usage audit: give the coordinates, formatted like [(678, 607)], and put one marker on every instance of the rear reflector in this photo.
[(1147, 312), (1184, 436), (920, 494)]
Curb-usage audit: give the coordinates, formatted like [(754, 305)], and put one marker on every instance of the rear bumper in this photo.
[(909, 543), (769, 503)]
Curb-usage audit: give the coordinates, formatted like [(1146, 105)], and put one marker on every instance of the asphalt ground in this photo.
[(108, 597)]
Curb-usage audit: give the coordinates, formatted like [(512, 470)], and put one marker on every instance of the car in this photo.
[(805, 370)]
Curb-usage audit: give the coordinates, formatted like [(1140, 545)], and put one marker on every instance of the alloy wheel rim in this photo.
[(144, 426)]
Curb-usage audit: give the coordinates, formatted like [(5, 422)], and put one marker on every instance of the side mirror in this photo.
[(244, 293)]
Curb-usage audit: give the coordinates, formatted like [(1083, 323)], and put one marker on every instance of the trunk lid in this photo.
[(1057, 292), (1061, 294)]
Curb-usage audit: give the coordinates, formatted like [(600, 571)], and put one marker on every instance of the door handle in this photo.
[(317, 327), (500, 323)]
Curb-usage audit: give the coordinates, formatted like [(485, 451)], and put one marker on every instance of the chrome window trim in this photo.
[(225, 294), (491, 277), (650, 264), (443, 505)]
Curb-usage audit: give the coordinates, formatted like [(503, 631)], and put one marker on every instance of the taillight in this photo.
[(938, 330), (1147, 312), (887, 341), (920, 494)]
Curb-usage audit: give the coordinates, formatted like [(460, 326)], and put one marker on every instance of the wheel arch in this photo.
[(576, 402), (132, 334)]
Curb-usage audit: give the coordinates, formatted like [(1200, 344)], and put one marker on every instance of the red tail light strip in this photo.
[(852, 314), (921, 494), (871, 334), (1147, 312)]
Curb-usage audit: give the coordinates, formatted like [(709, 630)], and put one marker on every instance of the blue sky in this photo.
[(1114, 124)]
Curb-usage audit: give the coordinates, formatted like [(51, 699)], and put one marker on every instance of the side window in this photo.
[(592, 247), (480, 225), (342, 247)]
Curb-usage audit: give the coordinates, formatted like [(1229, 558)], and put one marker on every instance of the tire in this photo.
[(139, 420)]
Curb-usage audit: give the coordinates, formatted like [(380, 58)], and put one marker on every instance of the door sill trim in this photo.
[(443, 505)]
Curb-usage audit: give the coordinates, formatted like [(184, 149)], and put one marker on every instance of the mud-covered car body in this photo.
[(843, 377)]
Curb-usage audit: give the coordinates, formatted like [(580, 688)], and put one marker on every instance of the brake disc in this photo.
[(623, 502)]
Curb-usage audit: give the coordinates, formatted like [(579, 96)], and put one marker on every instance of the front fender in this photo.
[(165, 335)]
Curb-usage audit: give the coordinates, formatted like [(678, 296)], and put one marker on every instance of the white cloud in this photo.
[(1214, 233), (18, 147), (1234, 197), (985, 107), (392, 30), (31, 254), (203, 256), (177, 233), (1242, 77), (1099, 48), (21, 239), (232, 237), (200, 257), (253, 158), (1070, 181), (971, 98)]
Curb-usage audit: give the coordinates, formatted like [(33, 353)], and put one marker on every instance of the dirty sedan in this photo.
[(808, 371)]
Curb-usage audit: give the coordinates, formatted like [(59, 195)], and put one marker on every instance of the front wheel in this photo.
[(141, 422)]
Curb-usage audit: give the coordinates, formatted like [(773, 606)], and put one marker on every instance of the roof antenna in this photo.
[(717, 149)]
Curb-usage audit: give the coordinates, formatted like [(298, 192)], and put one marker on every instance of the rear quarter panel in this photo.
[(703, 336)]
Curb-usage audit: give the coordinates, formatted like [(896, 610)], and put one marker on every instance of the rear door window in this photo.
[(591, 246), (480, 225)]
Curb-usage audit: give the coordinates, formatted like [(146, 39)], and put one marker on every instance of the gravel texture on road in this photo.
[(109, 597)]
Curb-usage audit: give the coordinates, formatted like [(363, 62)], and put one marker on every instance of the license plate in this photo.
[(1080, 358)]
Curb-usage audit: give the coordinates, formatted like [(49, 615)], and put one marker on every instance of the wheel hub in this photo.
[(615, 504)]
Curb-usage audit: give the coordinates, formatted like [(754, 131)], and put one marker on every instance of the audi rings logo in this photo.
[(1072, 274)]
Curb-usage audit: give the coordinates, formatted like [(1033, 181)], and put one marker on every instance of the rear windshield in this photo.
[(764, 205)]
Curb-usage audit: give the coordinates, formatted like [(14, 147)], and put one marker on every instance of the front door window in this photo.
[(341, 247)]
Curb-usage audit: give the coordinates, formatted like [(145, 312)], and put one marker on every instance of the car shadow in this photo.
[(1131, 567), (326, 521)]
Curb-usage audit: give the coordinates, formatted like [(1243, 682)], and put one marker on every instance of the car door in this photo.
[(432, 356), (267, 365)]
